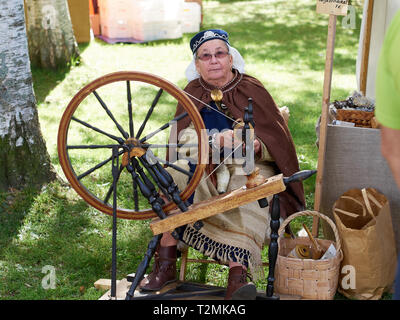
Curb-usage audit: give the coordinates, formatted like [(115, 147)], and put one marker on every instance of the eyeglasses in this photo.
[(208, 56)]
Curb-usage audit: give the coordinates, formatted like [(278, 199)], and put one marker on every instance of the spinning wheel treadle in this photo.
[(80, 136)]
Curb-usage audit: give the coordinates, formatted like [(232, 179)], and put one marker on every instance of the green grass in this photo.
[(283, 44)]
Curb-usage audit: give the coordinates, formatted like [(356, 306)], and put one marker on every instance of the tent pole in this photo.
[(366, 47), (324, 117)]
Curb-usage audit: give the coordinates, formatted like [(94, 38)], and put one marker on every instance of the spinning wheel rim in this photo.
[(148, 78)]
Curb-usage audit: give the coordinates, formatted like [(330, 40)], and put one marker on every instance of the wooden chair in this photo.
[(185, 260)]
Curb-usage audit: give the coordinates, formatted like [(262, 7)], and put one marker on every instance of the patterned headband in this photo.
[(207, 35)]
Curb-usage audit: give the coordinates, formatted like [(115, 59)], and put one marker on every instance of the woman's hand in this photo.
[(257, 146), (228, 139)]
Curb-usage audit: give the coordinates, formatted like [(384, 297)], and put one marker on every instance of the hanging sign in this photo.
[(336, 7)]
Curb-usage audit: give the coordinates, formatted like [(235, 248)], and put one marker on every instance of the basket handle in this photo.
[(312, 213)]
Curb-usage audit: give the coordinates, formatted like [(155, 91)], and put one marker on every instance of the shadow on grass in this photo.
[(286, 34), (14, 206), (53, 230), (45, 80), (300, 45)]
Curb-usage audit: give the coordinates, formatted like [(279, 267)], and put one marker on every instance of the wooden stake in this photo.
[(366, 46), (324, 117)]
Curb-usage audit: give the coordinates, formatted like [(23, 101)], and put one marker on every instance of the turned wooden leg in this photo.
[(273, 246), (151, 248)]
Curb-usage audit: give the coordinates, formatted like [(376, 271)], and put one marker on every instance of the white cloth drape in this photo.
[(383, 13)]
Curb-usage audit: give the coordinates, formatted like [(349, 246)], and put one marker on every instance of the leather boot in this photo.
[(164, 269), (238, 288)]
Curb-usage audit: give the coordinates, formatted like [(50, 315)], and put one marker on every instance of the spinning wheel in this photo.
[(136, 158), (116, 120)]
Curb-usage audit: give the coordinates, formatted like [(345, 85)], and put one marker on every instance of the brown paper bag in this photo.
[(364, 223)]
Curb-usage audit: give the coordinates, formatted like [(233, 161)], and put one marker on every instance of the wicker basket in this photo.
[(358, 117), (308, 278)]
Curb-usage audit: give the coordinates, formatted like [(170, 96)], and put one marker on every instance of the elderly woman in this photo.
[(235, 237)]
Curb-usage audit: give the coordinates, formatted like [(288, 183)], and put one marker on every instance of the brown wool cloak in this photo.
[(270, 128)]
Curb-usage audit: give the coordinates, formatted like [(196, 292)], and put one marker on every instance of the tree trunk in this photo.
[(51, 39), (23, 155)]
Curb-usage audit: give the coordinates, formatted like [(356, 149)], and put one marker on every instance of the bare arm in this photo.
[(390, 147)]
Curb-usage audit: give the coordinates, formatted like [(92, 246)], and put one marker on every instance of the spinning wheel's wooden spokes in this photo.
[(84, 146), (109, 113), (107, 146), (118, 139), (111, 189), (134, 186), (97, 166), (165, 126), (129, 97), (148, 115)]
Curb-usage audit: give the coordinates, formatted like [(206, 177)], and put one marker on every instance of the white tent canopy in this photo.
[(383, 13)]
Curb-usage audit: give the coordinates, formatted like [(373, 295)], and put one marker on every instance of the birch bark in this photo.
[(51, 38), (23, 154)]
